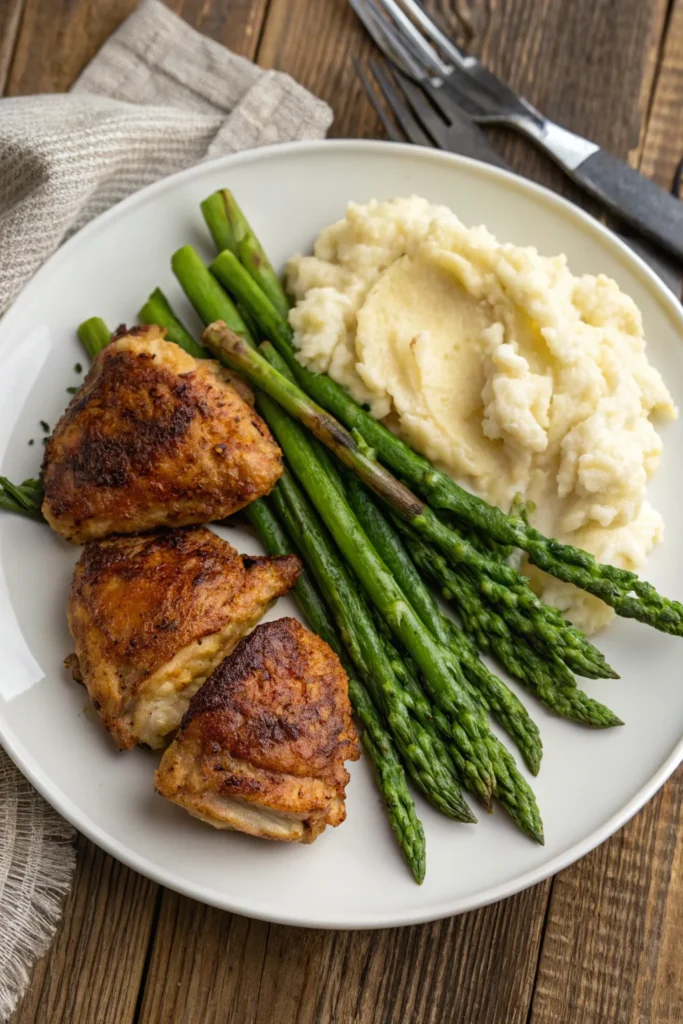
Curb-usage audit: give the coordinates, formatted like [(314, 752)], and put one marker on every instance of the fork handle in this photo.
[(654, 212)]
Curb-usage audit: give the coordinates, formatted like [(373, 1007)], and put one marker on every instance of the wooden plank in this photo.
[(205, 965), (325, 64), (10, 17), (59, 37), (92, 972), (611, 951), (663, 144), (217, 967)]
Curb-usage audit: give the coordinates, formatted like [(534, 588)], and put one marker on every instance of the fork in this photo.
[(418, 122), (452, 80)]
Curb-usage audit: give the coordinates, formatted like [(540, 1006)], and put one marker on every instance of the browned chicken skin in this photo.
[(153, 615), (263, 743), (154, 438)]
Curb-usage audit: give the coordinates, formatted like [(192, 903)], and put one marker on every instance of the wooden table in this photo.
[(599, 944)]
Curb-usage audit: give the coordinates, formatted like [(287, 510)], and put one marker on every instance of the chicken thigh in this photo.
[(262, 746), (154, 438), (153, 615)]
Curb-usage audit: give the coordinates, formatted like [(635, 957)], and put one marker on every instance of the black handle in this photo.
[(655, 213)]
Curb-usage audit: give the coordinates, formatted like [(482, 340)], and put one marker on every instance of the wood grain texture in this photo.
[(59, 37), (216, 967), (93, 970), (663, 139), (315, 42), (10, 17), (611, 950)]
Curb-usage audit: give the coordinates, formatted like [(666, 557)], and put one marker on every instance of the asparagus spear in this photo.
[(157, 310), (204, 292), (517, 798), (231, 230), (486, 764), (94, 335), (620, 588), (422, 751), (391, 780), (545, 679), (506, 708), (213, 210), (356, 456), (376, 740)]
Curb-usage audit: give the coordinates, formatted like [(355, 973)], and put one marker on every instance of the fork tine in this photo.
[(401, 110), (388, 37), (432, 30), (387, 123), (422, 108), (390, 45), (428, 55)]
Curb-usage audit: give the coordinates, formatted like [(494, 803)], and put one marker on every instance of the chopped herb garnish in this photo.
[(45, 440), (45, 426), (72, 391), (31, 441), (78, 368)]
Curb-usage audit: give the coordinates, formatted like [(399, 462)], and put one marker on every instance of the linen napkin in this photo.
[(157, 98)]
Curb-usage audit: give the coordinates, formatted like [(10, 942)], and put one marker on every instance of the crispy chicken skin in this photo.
[(154, 438), (262, 746), (153, 615)]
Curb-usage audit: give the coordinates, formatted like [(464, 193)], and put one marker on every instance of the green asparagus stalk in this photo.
[(421, 749), (620, 588), (94, 335), (357, 457), (213, 210), (486, 764), (546, 680), (506, 708), (204, 292), (391, 779), (376, 740), (513, 792), (157, 310), (236, 279), (547, 631), (231, 230)]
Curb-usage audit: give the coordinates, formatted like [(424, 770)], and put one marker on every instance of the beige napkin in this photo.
[(157, 98)]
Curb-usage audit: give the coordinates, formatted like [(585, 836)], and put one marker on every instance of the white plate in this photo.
[(353, 876)]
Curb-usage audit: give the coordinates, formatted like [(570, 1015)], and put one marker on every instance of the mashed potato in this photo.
[(517, 378)]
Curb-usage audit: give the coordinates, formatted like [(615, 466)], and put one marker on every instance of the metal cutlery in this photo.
[(416, 121), (456, 82)]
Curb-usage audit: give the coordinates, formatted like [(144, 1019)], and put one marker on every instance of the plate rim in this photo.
[(69, 809)]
